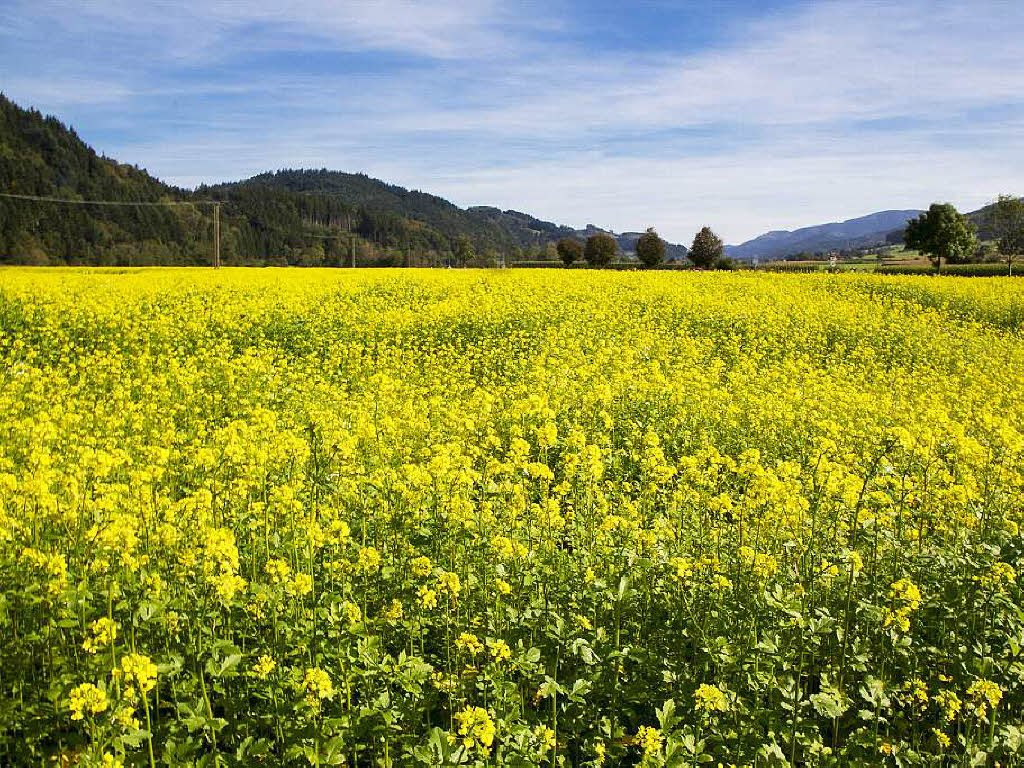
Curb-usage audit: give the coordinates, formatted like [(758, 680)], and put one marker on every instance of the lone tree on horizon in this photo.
[(941, 232), (650, 248), (707, 249), (600, 250), (1006, 220), (569, 250)]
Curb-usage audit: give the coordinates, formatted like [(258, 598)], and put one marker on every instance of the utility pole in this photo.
[(137, 204), (216, 235)]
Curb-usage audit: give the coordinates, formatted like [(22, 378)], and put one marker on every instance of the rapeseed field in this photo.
[(510, 518)]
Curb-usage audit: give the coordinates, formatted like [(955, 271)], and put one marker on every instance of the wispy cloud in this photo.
[(820, 110), (763, 187), (220, 29)]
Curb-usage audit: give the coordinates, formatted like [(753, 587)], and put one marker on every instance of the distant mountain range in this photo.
[(863, 232)]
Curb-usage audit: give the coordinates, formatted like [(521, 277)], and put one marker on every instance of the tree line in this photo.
[(289, 217), (945, 235), (600, 249), (327, 218)]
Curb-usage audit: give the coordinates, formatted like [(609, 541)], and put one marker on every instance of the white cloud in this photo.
[(829, 111), (743, 194), (835, 61), (212, 30), (775, 183), (69, 90)]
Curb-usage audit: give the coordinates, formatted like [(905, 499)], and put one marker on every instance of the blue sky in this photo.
[(742, 115)]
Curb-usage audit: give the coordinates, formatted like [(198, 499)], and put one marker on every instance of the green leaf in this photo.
[(667, 715), (828, 705), (227, 666)]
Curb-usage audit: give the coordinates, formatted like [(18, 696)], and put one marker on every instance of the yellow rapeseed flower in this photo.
[(476, 729), (140, 670), (710, 698), (103, 633), (86, 699)]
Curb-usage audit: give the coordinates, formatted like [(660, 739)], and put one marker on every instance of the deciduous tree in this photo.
[(600, 250), (569, 250), (1006, 220), (650, 248), (707, 249), (941, 232)]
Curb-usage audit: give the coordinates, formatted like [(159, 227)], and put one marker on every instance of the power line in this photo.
[(108, 202), (215, 203)]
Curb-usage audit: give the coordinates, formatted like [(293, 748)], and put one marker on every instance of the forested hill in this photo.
[(289, 217), (41, 156), (394, 219)]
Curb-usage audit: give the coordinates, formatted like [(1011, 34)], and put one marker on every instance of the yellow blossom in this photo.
[(469, 643), (140, 670), (449, 582), (318, 686), (86, 699), (499, 650), (428, 597), (476, 729), (984, 694), (710, 698), (650, 741), (278, 570), (301, 584), (369, 560), (263, 667), (545, 738), (103, 632)]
